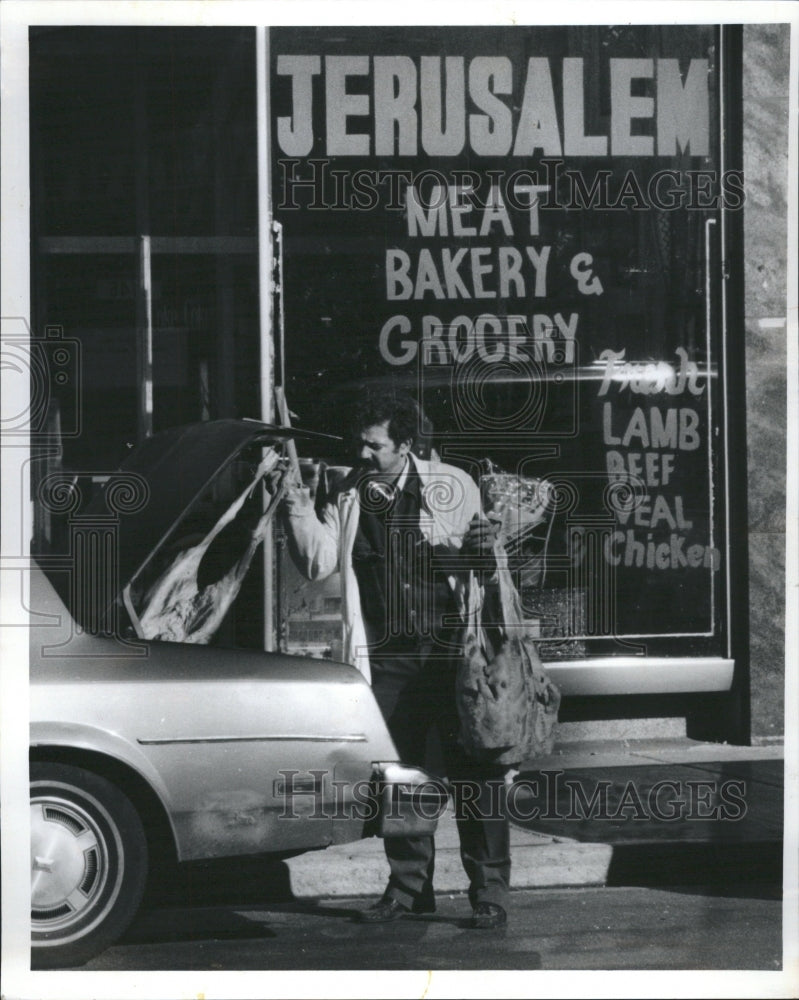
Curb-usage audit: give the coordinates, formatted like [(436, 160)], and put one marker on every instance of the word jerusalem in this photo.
[(398, 106)]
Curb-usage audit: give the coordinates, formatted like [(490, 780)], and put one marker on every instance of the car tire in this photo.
[(88, 864)]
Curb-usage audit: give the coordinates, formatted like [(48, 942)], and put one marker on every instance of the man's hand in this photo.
[(480, 537), (295, 498)]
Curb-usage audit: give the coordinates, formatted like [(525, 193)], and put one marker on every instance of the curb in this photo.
[(533, 867), (537, 862)]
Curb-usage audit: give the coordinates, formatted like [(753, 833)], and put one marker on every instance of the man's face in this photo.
[(378, 454)]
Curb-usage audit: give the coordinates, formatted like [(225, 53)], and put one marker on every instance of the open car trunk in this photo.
[(189, 509)]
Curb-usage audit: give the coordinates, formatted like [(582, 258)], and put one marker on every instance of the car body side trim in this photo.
[(159, 741)]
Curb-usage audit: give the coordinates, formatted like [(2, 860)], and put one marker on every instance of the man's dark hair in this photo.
[(403, 414)]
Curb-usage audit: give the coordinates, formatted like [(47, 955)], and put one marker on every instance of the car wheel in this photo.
[(88, 864)]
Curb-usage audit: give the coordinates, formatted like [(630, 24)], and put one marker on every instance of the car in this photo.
[(141, 745)]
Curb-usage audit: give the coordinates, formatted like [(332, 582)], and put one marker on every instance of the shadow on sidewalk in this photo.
[(704, 823), (744, 868)]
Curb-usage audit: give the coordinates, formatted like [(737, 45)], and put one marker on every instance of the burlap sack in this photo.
[(507, 705)]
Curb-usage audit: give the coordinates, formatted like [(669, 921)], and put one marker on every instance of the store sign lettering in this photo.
[(475, 272), (650, 377), (646, 446), (623, 548), (490, 338), (425, 106), (655, 428), (450, 273)]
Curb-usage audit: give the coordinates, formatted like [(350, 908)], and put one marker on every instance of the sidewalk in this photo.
[(611, 813)]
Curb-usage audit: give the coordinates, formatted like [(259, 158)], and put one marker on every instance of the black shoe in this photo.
[(487, 916), (387, 909)]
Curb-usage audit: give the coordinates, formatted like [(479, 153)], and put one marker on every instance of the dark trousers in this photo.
[(421, 714)]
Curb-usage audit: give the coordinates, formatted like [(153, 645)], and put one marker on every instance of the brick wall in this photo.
[(765, 133)]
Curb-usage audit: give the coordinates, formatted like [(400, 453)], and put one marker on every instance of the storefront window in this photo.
[(522, 228), (144, 185)]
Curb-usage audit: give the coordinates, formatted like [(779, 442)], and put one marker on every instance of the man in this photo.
[(394, 516)]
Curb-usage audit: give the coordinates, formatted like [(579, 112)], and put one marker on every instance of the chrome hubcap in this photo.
[(69, 861)]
